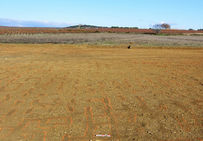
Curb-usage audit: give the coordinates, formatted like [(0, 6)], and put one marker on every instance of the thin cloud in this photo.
[(21, 23)]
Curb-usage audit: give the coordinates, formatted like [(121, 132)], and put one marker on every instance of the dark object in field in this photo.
[(129, 47)]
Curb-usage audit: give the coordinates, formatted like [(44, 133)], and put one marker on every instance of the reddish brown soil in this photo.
[(72, 93), (36, 30)]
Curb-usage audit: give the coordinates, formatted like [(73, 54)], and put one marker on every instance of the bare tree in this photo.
[(165, 26), (159, 27), (162, 26)]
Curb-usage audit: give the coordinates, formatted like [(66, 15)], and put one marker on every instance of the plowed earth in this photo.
[(69, 93)]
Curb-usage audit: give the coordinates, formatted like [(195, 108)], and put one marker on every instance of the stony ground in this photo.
[(73, 93)]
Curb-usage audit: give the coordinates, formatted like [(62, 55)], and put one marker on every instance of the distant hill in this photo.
[(85, 26), (93, 26)]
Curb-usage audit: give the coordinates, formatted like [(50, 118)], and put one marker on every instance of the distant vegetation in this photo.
[(93, 26), (125, 27), (85, 26)]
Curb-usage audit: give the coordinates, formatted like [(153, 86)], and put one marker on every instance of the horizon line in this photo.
[(4, 22)]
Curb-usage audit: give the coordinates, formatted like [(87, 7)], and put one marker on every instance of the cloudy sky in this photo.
[(182, 14)]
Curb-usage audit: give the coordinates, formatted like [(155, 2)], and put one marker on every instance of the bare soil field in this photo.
[(137, 40), (37, 30), (55, 92)]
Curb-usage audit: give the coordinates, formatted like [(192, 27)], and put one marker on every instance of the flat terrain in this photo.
[(137, 40), (73, 93)]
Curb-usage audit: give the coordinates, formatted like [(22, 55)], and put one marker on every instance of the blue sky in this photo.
[(182, 14)]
